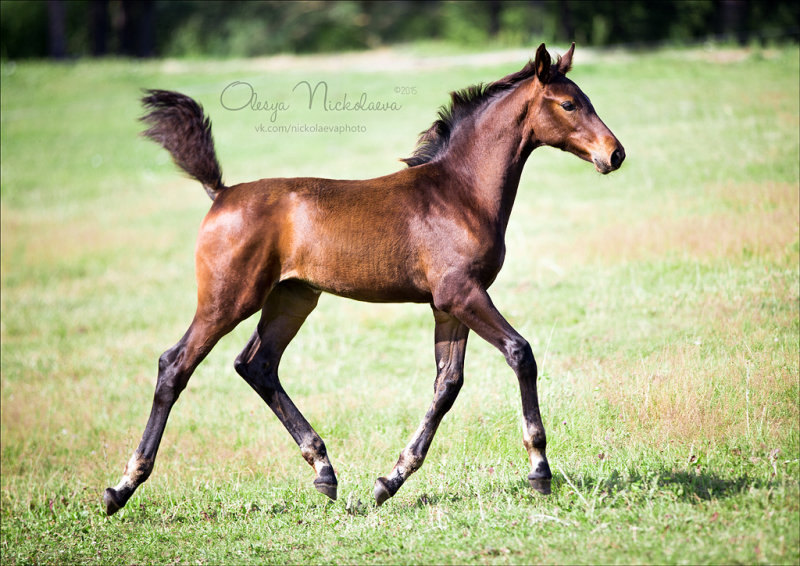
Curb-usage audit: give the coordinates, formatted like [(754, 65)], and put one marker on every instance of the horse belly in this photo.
[(365, 263)]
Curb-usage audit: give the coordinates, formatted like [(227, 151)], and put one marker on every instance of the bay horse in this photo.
[(431, 233)]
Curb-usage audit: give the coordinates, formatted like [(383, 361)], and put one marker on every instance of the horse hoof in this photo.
[(328, 489), (111, 502), (542, 485), (381, 492)]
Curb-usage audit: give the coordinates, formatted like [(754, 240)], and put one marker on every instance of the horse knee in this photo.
[(449, 384), (168, 358), (447, 387), (167, 389)]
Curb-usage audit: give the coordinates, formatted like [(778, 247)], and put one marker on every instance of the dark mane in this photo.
[(463, 103)]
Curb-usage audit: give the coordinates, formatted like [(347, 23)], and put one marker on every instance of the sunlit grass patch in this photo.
[(734, 220)]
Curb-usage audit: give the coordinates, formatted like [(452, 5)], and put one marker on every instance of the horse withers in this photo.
[(431, 233)]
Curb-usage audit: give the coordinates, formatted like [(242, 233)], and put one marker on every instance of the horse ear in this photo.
[(542, 64), (565, 61)]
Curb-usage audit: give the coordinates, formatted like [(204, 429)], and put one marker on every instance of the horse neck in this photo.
[(487, 153)]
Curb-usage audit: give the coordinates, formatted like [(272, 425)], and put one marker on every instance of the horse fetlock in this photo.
[(534, 441), (137, 470), (408, 463), (314, 452)]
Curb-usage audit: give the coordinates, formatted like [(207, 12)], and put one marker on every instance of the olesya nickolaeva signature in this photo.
[(241, 95)]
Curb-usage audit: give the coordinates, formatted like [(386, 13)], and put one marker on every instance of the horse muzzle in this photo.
[(607, 163)]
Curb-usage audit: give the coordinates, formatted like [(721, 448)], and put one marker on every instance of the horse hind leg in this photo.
[(175, 367), (286, 309), (451, 344), (222, 304)]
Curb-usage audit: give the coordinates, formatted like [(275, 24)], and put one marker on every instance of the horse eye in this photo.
[(568, 106)]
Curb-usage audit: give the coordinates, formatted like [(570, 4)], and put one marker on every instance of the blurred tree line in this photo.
[(236, 28)]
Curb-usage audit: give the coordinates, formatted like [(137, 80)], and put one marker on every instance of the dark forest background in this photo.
[(196, 28)]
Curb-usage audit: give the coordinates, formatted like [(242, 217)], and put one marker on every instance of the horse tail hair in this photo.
[(178, 124)]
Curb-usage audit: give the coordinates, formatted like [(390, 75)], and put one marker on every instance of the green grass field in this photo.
[(661, 302)]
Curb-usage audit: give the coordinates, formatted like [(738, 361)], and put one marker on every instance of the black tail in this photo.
[(178, 124)]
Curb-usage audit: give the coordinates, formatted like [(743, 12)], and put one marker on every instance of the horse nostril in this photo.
[(617, 158)]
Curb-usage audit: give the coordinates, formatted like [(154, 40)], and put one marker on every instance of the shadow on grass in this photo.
[(680, 485)]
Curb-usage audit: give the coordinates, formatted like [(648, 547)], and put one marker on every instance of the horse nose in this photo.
[(617, 157)]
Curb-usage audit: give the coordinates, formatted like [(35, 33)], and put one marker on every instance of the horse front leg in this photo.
[(471, 304), (451, 342)]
